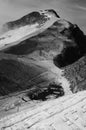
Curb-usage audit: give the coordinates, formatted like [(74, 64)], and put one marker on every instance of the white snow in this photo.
[(15, 36)]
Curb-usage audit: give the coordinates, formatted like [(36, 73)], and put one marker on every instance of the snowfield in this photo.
[(64, 113), (15, 36)]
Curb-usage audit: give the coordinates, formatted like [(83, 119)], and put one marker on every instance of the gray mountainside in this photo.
[(41, 74), (30, 64)]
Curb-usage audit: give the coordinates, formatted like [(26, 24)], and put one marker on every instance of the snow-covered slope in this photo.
[(17, 34), (65, 113)]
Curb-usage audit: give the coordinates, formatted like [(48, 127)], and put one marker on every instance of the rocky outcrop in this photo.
[(31, 18), (71, 53), (76, 74)]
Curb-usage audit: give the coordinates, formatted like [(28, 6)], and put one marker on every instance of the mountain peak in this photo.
[(27, 26), (52, 11), (45, 33), (39, 17)]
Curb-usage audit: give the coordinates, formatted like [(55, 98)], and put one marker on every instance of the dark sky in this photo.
[(72, 10)]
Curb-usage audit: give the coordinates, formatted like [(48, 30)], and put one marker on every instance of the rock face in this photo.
[(70, 54), (75, 73), (31, 18)]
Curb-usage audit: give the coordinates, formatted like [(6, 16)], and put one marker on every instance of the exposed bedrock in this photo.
[(76, 74), (70, 54)]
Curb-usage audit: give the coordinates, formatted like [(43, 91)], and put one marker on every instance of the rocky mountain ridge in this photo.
[(42, 60)]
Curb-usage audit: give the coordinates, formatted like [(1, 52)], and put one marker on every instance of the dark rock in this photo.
[(52, 89), (70, 54), (54, 12), (76, 74)]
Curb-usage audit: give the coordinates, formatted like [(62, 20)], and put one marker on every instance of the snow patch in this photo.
[(15, 36)]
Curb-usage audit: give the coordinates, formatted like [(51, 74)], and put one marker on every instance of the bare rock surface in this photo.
[(76, 75)]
